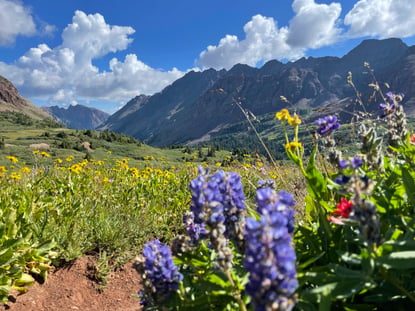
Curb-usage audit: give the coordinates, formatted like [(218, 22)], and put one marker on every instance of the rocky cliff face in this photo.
[(78, 117), (202, 103), (10, 100)]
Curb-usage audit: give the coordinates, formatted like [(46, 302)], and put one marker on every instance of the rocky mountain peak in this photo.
[(10, 100)]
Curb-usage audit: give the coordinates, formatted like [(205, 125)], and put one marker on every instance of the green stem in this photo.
[(259, 137), (236, 292)]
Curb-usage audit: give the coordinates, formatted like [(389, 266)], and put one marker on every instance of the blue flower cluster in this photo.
[(327, 125), (218, 203), (391, 103), (194, 231), (161, 276), (354, 163), (270, 255)]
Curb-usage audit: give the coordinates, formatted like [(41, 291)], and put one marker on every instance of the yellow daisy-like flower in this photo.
[(294, 120), (13, 159), (35, 151), (3, 170), (45, 154), (15, 175), (283, 115), (293, 145), (25, 169)]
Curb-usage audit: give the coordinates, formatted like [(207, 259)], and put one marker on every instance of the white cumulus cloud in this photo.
[(381, 18), (263, 41), (314, 25), (15, 19), (65, 73)]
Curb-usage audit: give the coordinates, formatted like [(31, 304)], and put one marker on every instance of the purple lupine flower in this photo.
[(217, 202), (161, 276), (270, 256), (387, 109), (344, 164), (230, 187), (268, 201), (219, 198), (342, 179), (356, 162), (327, 125), (194, 231)]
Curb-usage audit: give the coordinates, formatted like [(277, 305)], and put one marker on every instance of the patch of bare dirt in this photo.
[(87, 146), (71, 288), (40, 146)]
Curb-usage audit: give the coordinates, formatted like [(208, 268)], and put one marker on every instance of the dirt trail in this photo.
[(70, 288)]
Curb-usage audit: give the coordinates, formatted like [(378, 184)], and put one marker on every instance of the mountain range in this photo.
[(77, 117), (202, 105), (205, 106)]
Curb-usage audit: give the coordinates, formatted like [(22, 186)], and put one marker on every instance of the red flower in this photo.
[(344, 208), (413, 139)]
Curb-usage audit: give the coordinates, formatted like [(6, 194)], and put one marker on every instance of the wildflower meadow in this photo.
[(244, 236), (353, 249)]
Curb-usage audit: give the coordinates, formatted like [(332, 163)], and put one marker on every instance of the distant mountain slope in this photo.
[(10, 100), (78, 117), (201, 104)]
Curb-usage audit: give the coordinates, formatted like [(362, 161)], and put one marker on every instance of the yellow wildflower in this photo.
[(2, 170), (76, 168), (293, 145), (25, 169), (283, 115), (13, 159), (294, 120), (45, 154), (14, 175)]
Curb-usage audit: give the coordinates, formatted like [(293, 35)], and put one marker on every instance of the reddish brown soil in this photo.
[(71, 288)]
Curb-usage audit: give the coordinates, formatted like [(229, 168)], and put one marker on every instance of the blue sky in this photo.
[(103, 53)]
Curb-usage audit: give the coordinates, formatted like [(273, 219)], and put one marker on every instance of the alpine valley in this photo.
[(201, 106)]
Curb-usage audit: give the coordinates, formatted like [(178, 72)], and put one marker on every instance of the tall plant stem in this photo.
[(236, 291), (274, 163)]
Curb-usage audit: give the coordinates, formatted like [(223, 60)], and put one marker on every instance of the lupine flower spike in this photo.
[(270, 256), (161, 277)]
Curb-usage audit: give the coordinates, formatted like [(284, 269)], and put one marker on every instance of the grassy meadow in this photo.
[(61, 199), (327, 228)]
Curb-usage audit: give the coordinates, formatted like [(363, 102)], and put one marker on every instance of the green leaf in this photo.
[(316, 183), (311, 260), (346, 273), (5, 256), (310, 208), (213, 278), (351, 258), (409, 184), (398, 260)]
